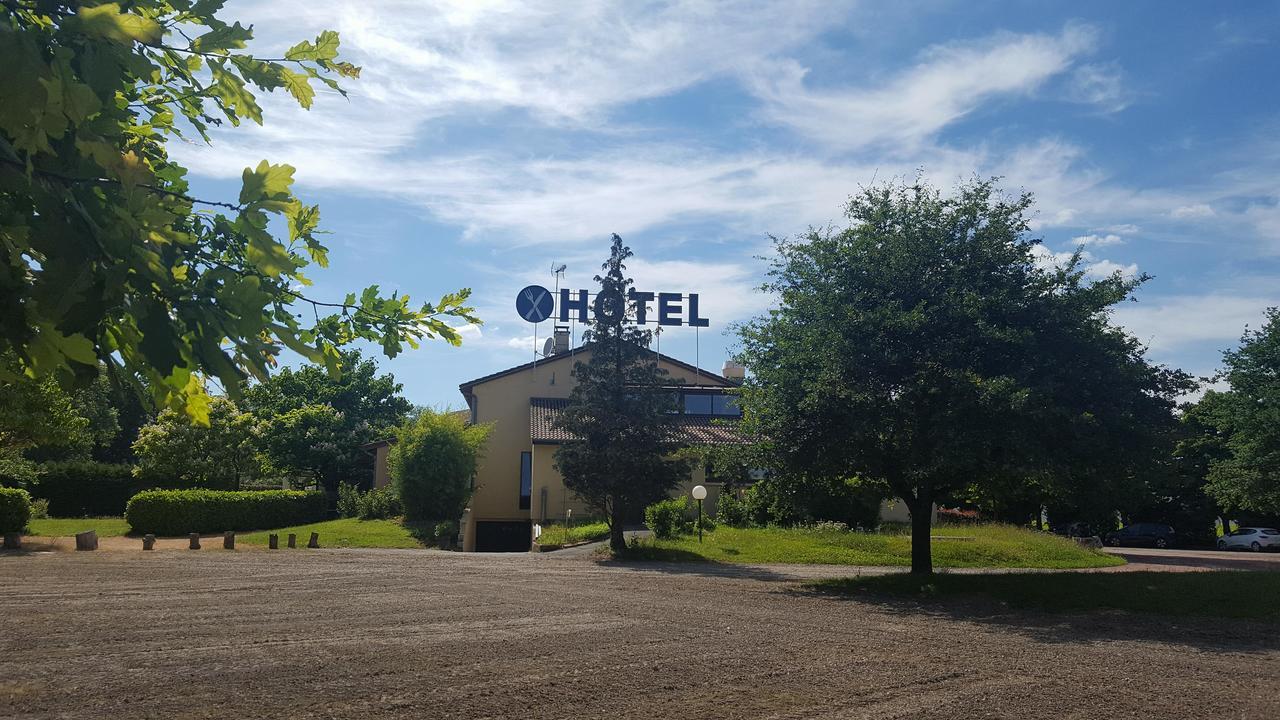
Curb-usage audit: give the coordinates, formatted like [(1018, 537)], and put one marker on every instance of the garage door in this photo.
[(503, 536)]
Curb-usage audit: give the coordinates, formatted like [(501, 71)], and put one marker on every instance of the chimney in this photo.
[(734, 372), (561, 339)]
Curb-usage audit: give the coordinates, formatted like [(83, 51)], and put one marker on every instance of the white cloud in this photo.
[(1175, 322), (1093, 266), (1100, 85), (1122, 229), (1097, 240), (1192, 212), (949, 82)]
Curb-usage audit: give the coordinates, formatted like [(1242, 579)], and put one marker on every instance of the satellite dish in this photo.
[(548, 347)]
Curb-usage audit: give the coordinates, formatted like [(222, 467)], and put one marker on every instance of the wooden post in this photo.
[(293, 540), (195, 541), (87, 540), (228, 540), (314, 542), (273, 541), (13, 541), (148, 542)]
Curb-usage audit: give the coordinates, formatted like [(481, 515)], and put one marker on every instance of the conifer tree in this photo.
[(621, 457)]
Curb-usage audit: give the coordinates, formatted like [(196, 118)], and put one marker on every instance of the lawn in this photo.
[(994, 546), (345, 533), (1219, 594), (63, 527), (559, 535)]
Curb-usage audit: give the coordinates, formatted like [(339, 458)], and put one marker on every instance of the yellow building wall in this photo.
[(504, 401)]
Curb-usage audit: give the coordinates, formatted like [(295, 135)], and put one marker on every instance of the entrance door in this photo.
[(504, 536)]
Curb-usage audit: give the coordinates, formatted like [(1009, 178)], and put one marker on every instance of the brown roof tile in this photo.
[(686, 429)]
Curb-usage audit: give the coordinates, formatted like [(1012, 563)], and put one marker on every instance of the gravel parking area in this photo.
[(382, 633)]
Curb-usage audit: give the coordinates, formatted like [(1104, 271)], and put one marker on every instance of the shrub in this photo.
[(668, 518), (434, 462), (86, 489), (348, 500), (177, 512), (39, 509), (15, 509), (731, 510), (379, 504)]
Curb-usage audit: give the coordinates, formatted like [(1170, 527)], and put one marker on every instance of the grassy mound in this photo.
[(976, 546)]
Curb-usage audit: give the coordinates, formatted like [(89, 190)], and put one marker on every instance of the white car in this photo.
[(1251, 538)]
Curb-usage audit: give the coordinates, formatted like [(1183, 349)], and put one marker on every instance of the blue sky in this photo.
[(486, 141)]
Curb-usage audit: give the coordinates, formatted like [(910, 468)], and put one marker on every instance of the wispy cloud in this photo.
[(949, 82)]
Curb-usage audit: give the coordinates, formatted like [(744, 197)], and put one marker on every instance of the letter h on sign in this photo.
[(566, 304)]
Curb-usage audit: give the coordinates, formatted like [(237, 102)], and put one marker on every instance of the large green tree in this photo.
[(622, 457), (1247, 419), (173, 452), (107, 257), (434, 463), (924, 348), (314, 422)]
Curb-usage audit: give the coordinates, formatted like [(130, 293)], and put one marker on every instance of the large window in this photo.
[(526, 479), (710, 404)]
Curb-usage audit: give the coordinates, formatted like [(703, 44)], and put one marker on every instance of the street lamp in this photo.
[(699, 494)]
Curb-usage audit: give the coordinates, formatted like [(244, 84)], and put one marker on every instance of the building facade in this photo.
[(516, 482)]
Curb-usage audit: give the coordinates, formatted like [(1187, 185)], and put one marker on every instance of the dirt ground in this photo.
[(382, 633)]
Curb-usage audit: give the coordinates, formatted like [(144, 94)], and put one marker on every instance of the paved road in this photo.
[(1153, 559), (420, 634)]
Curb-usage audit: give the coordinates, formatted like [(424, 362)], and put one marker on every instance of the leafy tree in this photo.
[(434, 463), (107, 256), (315, 423), (1202, 444), (622, 458), (1247, 478), (924, 349), (221, 455)]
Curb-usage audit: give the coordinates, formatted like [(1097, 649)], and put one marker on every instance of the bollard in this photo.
[(228, 540), (87, 540), (13, 541), (148, 542), (273, 541), (195, 541), (314, 542), (293, 540)]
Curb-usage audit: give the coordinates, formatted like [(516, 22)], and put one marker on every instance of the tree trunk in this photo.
[(921, 507), (617, 541)]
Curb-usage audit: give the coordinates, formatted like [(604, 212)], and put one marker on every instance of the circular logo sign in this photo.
[(534, 303)]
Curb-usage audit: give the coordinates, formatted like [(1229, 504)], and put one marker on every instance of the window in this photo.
[(526, 479), (725, 405), (697, 404)]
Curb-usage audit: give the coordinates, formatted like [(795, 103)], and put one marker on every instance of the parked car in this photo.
[(1251, 538), (1141, 535)]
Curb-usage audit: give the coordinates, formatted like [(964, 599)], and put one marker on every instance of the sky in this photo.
[(487, 141)]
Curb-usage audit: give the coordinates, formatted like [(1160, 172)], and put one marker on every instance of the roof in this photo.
[(701, 372), (686, 429)]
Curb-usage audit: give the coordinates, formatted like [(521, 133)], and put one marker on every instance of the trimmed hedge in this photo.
[(87, 489), (178, 512), (15, 509)]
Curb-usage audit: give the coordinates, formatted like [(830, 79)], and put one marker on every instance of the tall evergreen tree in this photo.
[(621, 457)]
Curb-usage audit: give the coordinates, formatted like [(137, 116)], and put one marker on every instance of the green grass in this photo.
[(346, 533), (62, 527), (993, 546), (557, 535), (1217, 594)]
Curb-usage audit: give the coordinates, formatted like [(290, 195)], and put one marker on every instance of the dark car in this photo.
[(1141, 535)]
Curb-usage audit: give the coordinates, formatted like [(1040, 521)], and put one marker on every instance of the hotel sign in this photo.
[(536, 303)]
